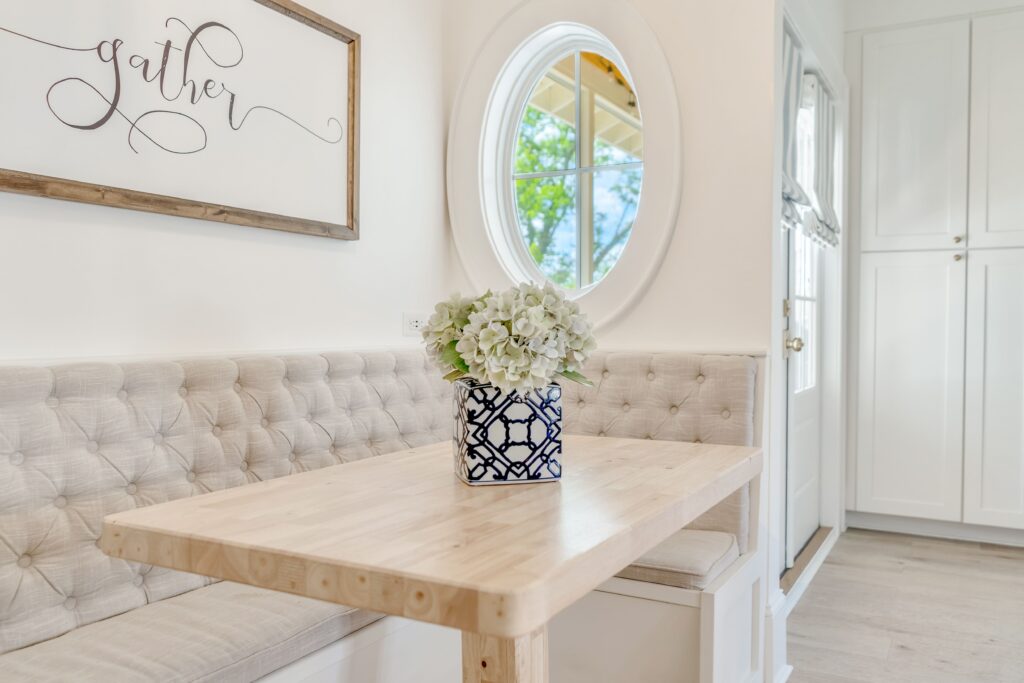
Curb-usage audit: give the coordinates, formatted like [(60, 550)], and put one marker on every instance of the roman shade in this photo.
[(824, 224), (794, 200), (808, 205)]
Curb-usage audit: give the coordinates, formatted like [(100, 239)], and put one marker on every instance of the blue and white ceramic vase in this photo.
[(507, 438)]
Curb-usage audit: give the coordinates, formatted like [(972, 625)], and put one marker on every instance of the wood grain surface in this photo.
[(401, 534)]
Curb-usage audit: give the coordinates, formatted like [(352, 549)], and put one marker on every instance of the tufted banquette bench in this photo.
[(78, 442)]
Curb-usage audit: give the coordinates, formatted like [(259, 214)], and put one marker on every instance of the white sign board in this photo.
[(243, 111)]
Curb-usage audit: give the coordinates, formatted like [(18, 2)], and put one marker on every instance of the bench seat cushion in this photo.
[(690, 558), (223, 632)]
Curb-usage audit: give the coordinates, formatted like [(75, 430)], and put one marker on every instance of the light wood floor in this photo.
[(892, 608)]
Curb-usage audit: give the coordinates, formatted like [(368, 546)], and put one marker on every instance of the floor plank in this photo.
[(890, 608)]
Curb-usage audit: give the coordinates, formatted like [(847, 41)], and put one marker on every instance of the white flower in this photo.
[(517, 340)]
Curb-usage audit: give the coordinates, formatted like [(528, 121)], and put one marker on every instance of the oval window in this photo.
[(578, 169)]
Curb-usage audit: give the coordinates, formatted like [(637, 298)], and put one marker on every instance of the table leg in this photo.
[(486, 659)]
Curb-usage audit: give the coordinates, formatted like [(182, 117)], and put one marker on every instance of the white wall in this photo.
[(83, 281), (867, 14), (713, 290)]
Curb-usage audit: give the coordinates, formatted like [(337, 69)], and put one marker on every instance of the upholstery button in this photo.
[(123, 395), (131, 489), (650, 376), (217, 430), (601, 434), (309, 417), (92, 446), (138, 580), (264, 422), (238, 388), (700, 379), (605, 373), (244, 466), (726, 414), (24, 561), (70, 603), (625, 407), (581, 404), (60, 501), (291, 457), (697, 441), (53, 402), (183, 392), (674, 409), (158, 438), (191, 476), (17, 458)]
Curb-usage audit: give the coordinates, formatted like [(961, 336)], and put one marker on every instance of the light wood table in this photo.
[(401, 534)]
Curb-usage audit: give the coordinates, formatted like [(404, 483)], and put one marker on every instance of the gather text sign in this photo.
[(240, 111)]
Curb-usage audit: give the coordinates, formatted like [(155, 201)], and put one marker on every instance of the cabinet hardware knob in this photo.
[(958, 257), (796, 344), (958, 239)]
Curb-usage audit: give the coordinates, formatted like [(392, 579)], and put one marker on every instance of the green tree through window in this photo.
[(577, 203)]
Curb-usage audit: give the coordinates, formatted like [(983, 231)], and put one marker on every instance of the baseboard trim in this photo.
[(804, 559), (934, 529), (800, 586)]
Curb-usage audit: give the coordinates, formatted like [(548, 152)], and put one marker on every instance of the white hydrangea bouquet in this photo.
[(504, 352)]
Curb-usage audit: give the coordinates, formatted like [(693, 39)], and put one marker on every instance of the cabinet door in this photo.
[(997, 132), (911, 384), (994, 424), (914, 156)]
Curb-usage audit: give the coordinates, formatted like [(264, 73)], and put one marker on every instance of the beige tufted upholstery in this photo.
[(81, 441)]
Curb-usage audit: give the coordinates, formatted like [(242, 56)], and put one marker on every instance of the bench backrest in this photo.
[(78, 442)]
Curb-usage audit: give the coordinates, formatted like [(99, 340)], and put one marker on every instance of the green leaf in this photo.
[(576, 377), (453, 358), (454, 375)]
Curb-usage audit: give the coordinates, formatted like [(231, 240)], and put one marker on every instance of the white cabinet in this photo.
[(940, 345), (911, 381), (914, 137), (994, 416), (997, 132)]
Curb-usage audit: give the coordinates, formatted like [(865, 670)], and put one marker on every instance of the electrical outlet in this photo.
[(413, 323)]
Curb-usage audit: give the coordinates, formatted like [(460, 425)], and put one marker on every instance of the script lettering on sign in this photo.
[(184, 74)]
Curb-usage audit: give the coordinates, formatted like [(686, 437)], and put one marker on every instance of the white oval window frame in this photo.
[(485, 122)]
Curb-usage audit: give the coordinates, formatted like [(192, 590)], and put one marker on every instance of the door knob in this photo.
[(796, 344)]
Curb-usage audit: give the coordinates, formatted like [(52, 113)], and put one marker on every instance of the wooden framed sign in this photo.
[(239, 111)]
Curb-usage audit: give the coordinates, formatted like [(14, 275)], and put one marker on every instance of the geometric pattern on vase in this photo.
[(507, 438)]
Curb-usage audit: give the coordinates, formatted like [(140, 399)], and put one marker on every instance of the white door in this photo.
[(803, 447), (994, 426), (911, 384), (914, 142), (997, 132)]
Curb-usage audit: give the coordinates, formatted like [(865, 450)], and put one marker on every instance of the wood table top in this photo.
[(400, 534)]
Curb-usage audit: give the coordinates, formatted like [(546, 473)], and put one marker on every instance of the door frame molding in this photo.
[(834, 342)]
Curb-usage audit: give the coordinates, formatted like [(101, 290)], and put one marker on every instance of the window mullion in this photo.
[(578, 67), (585, 137)]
